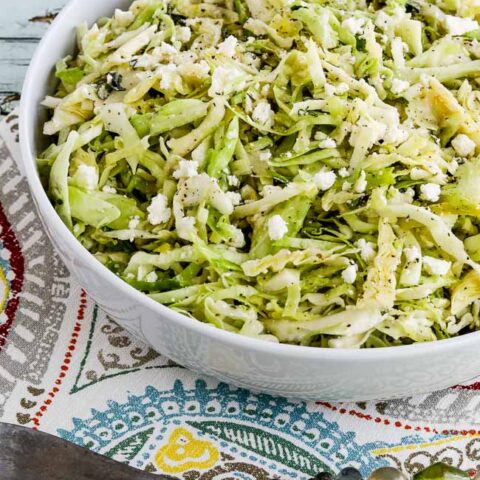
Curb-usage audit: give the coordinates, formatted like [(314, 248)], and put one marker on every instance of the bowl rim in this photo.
[(27, 110)]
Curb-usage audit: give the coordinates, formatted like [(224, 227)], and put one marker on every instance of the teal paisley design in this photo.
[(271, 434)]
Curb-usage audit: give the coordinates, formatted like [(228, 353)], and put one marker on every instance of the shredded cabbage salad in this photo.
[(303, 172)]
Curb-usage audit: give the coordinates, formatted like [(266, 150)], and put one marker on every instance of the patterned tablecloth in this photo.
[(67, 369)]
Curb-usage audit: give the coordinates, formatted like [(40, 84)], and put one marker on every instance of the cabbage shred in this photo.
[(297, 171)]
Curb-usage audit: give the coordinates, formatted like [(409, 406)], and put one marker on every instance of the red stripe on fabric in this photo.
[(473, 386), (64, 367), (17, 264)]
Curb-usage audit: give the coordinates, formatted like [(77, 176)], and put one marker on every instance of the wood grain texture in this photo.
[(22, 25)]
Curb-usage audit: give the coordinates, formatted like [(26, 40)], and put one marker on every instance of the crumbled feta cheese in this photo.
[(399, 86), (185, 227), (463, 145), (223, 201), (353, 25), (238, 238), (277, 228), (124, 18), (361, 183), (233, 181), (452, 167), (132, 226), (133, 223), (263, 114), (459, 25), (395, 135), (165, 49), (228, 46), (328, 143), (265, 155), (265, 90), (430, 192), (151, 277), (329, 90), (252, 60), (168, 74), (320, 136), (367, 251), (343, 172), (346, 186), (226, 80), (412, 254), (342, 88), (234, 197), (185, 57), (377, 130), (145, 61), (349, 275), (108, 189), (408, 195), (186, 169), (383, 20), (86, 177), (183, 34), (436, 266), (324, 179), (418, 173), (158, 210)]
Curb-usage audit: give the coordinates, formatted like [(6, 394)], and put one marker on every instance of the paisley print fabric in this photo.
[(67, 369)]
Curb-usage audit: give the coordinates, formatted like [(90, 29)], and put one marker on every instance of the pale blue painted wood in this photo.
[(14, 58), (15, 15), (22, 24)]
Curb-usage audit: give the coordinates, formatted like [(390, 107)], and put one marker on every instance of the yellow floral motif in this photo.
[(4, 290), (184, 452)]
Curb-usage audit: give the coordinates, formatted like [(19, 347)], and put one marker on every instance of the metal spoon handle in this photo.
[(32, 455)]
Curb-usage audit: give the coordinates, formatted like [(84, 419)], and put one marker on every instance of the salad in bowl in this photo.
[(302, 172)]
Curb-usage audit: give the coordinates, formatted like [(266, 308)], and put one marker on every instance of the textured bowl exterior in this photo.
[(292, 371)]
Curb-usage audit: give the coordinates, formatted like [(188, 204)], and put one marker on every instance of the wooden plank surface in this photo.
[(22, 24)]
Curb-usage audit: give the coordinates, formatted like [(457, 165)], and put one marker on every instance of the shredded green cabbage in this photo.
[(298, 171)]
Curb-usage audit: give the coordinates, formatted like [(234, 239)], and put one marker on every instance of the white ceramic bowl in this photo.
[(293, 371)]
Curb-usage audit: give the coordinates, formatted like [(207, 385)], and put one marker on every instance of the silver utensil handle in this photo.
[(27, 454)]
